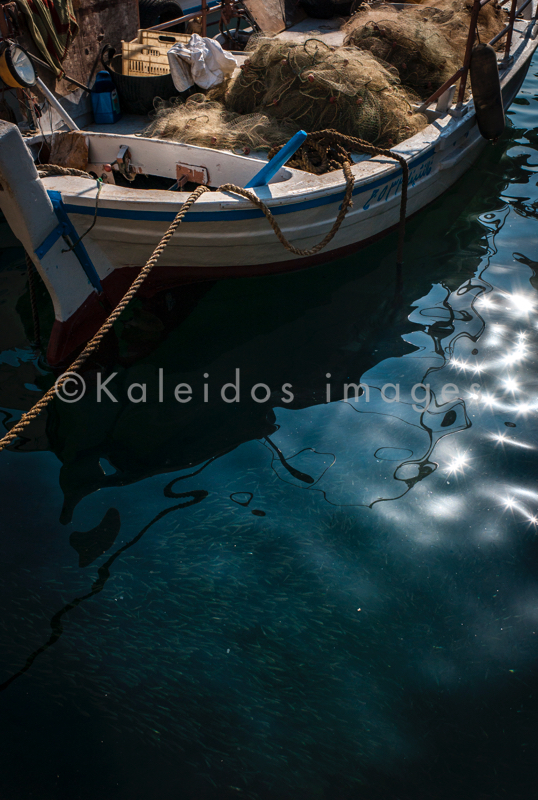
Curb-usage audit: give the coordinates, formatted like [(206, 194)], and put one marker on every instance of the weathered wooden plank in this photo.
[(69, 150), (274, 16), (101, 22)]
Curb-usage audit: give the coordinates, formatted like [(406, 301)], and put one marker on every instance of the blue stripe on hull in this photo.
[(225, 216)]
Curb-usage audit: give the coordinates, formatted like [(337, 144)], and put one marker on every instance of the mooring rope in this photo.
[(94, 343), (331, 150), (333, 139)]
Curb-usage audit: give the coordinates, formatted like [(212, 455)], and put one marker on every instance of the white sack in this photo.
[(202, 62)]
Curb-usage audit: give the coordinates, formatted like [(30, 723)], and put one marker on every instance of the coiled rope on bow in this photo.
[(49, 170)]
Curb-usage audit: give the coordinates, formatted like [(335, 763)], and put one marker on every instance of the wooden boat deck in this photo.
[(328, 30)]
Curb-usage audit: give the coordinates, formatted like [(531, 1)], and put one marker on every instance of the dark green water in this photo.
[(288, 600)]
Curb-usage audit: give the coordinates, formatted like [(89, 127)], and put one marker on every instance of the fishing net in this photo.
[(206, 122), (454, 17), (410, 41), (425, 45), (318, 87)]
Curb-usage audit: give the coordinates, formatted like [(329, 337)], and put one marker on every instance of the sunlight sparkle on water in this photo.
[(485, 302), (458, 464), (519, 352), (523, 408), (521, 303), (488, 399), (512, 505), (503, 438), (465, 366), (511, 385)]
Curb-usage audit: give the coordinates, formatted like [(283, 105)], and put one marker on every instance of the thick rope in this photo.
[(332, 149), (344, 208), (338, 142), (94, 343), (48, 170), (35, 315)]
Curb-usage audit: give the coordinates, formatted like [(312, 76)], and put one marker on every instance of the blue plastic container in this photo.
[(105, 101)]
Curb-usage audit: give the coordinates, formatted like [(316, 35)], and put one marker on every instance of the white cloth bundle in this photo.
[(202, 62)]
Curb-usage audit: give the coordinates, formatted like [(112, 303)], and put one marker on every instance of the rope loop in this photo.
[(344, 208), (329, 147)]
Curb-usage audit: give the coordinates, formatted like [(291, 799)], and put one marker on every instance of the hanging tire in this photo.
[(326, 9), (155, 12)]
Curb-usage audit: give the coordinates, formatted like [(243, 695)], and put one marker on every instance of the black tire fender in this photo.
[(486, 88)]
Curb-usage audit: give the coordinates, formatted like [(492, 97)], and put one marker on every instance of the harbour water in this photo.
[(295, 594)]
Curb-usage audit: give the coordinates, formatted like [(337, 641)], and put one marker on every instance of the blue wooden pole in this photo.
[(271, 168)]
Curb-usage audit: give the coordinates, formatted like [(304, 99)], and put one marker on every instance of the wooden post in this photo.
[(204, 17), (477, 5)]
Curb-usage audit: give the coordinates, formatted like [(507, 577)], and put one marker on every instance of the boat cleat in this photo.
[(123, 163)]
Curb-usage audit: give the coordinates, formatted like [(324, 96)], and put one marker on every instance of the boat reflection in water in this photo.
[(265, 378)]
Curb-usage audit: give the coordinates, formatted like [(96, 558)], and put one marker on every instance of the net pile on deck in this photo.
[(425, 45), (284, 87), (207, 123), (318, 87), (454, 19)]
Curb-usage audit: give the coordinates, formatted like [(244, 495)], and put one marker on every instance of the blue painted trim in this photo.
[(66, 228), (225, 216), (269, 171), (51, 240)]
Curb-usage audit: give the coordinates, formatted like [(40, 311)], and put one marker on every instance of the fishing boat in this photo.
[(224, 235)]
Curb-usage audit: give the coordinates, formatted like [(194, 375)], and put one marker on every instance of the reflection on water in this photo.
[(294, 598)]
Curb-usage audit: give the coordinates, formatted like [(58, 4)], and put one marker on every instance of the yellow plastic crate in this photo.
[(162, 39), (147, 54)]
